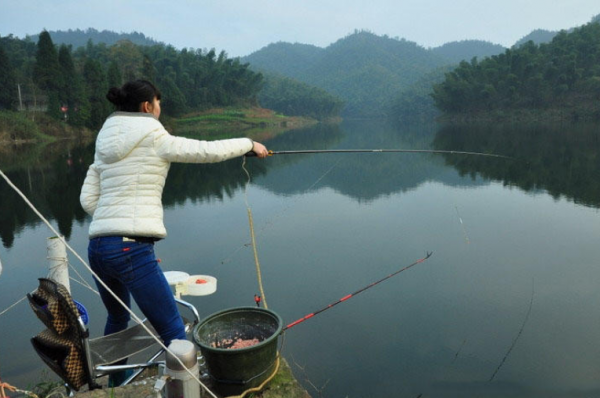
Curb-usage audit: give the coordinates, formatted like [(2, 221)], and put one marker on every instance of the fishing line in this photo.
[(273, 218), (321, 151), (459, 350), (349, 296), (518, 334)]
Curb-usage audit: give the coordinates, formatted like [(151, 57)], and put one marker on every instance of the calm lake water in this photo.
[(510, 292)]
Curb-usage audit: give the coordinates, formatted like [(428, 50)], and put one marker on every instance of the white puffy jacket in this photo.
[(123, 187)]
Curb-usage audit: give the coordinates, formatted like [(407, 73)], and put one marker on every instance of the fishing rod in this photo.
[(349, 296), (304, 151)]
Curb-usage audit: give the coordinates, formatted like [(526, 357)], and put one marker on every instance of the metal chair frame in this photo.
[(96, 371)]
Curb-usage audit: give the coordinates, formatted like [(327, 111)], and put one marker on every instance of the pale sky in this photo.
[(241, 27)]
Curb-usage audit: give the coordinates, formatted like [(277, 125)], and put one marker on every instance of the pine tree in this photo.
[(46, 70), (68, 74), (73, 92), (8, 85), (96, 86), (114, 75), (173, 102), (129, 58), (54, 105), (148, 69)]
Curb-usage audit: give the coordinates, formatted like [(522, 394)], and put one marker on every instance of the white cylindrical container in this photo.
[(58, 266), (181, 383), (201, 285)]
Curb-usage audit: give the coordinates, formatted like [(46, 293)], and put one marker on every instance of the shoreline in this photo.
[(221, 123), (283, 385), (21, 129), (553, 115)]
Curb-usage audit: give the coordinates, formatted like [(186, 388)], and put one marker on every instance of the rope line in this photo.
[(83, 282), (13, 389), (84, 285), (262, 385), (252, 235), (85, 264), (13, 305)]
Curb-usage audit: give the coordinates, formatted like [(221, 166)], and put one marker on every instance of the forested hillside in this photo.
[(415, 102), (363, 69), (79, 38), (369, 72), (538, 36), (293, 98), (562, 75), (286, 59), (71, 84), (465, 50)]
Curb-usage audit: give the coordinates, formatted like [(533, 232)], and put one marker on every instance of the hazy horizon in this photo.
[(242, 27)]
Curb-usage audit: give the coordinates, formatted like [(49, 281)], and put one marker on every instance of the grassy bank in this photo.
[(18, 128), (257, 123), (24, 127)]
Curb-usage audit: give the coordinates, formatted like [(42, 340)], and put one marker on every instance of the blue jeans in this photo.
[(130, 268)]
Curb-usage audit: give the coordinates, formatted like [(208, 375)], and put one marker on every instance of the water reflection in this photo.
[(361, 176), (206, 182), (562, 160), (51, 177), (439, 330)]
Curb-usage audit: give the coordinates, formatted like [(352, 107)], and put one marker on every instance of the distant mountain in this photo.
[(363, 69), (538, 36), (79, 38), (285, 58), (293, 98), (465, 50)]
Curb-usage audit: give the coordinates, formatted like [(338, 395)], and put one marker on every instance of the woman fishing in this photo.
[(122, 192)]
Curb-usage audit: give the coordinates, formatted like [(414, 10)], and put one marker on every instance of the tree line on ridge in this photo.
[(71, 84), (563, 75)]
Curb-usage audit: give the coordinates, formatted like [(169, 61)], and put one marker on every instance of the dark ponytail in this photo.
[(130, 97)]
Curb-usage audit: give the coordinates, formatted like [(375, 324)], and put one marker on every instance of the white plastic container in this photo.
[(201, 285), (176, 277), (194, 285)]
